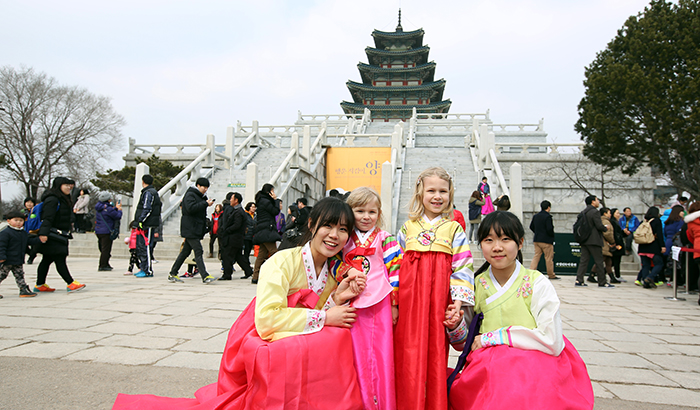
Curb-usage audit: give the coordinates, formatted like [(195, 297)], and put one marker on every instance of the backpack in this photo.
[(33, 222), (582, 228), (644, 234)]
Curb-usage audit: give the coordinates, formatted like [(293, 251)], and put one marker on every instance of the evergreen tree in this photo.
[(121, 181)]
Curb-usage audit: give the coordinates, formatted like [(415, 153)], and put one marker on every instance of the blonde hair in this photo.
[(415, 207), (364, 195)]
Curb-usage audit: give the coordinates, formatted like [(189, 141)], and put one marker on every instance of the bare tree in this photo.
[(47, 130)]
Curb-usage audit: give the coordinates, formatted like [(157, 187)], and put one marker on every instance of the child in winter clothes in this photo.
[(134, 258), (13, 245)]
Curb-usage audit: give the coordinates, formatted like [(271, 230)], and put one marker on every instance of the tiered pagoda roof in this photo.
[(398, 78)]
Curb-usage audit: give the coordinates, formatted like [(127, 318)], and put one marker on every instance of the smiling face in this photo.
[(436, 196), (328, 240), (501, 253), (366, 216)]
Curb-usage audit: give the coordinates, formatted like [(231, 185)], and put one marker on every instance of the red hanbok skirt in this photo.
[(305, 372), (420, 340), (504, 377)]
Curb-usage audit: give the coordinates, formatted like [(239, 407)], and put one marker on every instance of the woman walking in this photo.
[(265, 233), (214, 233), (55, 231), (106, 216), (475, 203), (80, 209)]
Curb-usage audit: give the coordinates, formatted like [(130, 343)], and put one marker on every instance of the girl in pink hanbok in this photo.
[(485, 190), (378, 255)]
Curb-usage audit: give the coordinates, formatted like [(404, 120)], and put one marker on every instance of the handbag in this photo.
[(114, 232), (60, 236)]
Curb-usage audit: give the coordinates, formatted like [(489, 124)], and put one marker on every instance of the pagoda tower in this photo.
[(398, 78)]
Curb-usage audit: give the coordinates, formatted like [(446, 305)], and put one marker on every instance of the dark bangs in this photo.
[(329, 211), (503, 224)]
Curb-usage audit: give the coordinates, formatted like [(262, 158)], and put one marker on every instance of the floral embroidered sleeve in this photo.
[(392, 260), (547, 337), (462, 279), (459, 334), (314, 320)]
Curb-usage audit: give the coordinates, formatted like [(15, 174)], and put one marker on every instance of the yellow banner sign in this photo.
[(349, 168)]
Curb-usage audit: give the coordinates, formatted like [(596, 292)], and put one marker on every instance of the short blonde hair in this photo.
[(364, 195), (415, 207)]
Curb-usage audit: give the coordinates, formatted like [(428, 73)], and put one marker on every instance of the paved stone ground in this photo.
[(123, 334)]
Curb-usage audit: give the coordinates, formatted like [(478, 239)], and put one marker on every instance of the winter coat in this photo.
[(265, 228), (56, 214), (81, 205), (670, 230), (13, 245), (148, 208), (543, 227), (597, 227), (475, 210), (459, 218), (633, 223), (281, 223), (105, 215), (193, 224), (215, 222), (654, 247), (249, 226), (693, 232), (608, 236), (619, 236), (232, 232)]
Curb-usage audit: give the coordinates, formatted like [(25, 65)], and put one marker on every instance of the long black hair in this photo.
[(265, 191), (329, 211), (652, 212), (503, 223)]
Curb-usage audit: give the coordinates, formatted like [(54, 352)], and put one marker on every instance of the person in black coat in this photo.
[(148, 220), (250, 227), (13, 245), (593, 245), (55, 233), (265, 233), (231, 236), (193, 227), (652, 252), (543, 227), (619, 250)]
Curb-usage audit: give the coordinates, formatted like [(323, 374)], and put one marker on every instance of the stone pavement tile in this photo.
[(676, 362), (628, 376), (7, 343), (596, 327), (688, 350), (617, 360), (177, 310), (201, 320), (684, 340), (590, 345), (147, 318), (130, 307), (69, 313), (213, 345), (190, 360), (122, 328), (659, 328), (582, 316), (19, 332), (224, 314), (655, 394), (73, 336), (138, 341), (624, 336), (45, 323), (119, 355), (600, 391), (44, 350), (182, 332), (147, 301), (631, 345), (687, 380), (634, 320), (581, 334)]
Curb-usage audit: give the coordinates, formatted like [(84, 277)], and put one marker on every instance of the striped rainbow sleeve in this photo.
[(462, 279), (401, 237), (392, 260)]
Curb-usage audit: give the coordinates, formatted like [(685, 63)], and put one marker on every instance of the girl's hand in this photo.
[(453, 309), (477, 343), (341, 316), (395, 314), (451, 322), (350, 287)]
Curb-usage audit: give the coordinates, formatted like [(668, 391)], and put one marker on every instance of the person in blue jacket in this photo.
[(105, 218), (629, 223)]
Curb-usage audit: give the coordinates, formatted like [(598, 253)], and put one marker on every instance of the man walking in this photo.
[(543, 227), (231, 236), (593, 245), (193, 226), (147, 220)]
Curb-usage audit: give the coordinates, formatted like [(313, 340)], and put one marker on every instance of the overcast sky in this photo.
[(178, 70)]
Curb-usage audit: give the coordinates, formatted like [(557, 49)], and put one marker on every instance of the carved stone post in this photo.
[(251, 182), (386, 194), (230, 147), (141, 170), (211, 144), (516, 190)]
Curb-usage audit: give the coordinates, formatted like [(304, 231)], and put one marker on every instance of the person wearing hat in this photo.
[(105, 220), (13, 245)]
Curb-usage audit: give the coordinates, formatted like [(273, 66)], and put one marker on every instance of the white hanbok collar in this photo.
[(432, 221), (500, 290), (316, 284), (362, 237)]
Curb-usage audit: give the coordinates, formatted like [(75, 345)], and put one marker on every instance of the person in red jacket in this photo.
[(213, 234), (693, 233), (459, 218)]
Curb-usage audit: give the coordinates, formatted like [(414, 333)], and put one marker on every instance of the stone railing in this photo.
[(539, 148), (186, 178), (447, 116)]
